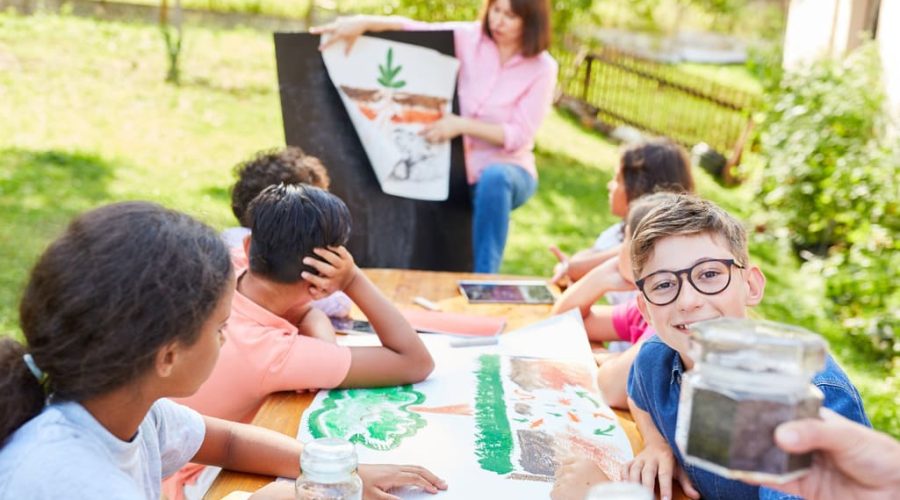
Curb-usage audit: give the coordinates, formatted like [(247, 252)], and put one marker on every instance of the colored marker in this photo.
[(427, 304), (473, 342)]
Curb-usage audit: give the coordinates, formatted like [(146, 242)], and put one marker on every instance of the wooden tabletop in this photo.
[(282, 411)]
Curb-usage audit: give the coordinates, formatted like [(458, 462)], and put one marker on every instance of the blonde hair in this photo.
[(684, 215)]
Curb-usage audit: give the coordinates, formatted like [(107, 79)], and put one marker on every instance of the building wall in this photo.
[(833, 28), (889, 44), (825, 28)]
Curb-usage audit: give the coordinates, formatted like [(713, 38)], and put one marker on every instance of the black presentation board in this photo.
[(388, 231)]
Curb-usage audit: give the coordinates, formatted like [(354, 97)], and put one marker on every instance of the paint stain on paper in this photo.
[(461, 409), (518, 476), (604, 432), (533, 374), (537, 456), (493, 440), (605, 455), (585, 395), (378, 419)]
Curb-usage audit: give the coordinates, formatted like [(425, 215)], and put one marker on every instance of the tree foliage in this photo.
[(563, 11), (830, 184)]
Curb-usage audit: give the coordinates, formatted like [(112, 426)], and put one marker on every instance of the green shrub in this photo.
[(830, 185)]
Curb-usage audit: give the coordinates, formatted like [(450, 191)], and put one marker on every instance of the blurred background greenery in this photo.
[(86, 118)]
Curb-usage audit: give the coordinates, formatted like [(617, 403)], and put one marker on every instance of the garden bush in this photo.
[(563, 11), (830, 185)]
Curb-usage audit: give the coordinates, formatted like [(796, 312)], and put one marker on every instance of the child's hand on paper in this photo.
[(379, 479), (336, 271), (575, 476), (656, 462)]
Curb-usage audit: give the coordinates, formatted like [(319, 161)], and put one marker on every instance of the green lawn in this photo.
[(86, 119)]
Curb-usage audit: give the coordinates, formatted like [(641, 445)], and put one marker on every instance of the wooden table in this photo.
[(282, 411)]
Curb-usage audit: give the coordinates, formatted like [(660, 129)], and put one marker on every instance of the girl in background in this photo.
[(647, 167)]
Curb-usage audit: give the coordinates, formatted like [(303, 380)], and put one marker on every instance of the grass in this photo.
[(79, 128), (293, 9)]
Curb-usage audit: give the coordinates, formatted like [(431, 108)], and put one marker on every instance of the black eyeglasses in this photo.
[(708, 277)]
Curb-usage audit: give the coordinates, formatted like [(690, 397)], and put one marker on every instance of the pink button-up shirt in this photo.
[(516, 95)]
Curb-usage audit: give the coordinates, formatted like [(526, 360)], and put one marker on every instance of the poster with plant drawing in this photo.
[(391, 91), (490, 420)]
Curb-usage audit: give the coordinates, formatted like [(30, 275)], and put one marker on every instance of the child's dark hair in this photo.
[(287, 223), (656, 165), (288, 166), (120, 283)]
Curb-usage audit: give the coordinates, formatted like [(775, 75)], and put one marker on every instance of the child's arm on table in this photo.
[(597, 319), (612, 376), (656, 460), (402, 358), (316, 324), (247, 448)]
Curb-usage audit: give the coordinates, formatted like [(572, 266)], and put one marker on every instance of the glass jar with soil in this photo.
[(748, 377)]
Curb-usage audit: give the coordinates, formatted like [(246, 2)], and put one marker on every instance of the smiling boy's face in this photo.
[(670, 321)]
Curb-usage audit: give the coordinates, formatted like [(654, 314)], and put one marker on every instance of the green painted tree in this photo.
[(375, 418), (388, 72)]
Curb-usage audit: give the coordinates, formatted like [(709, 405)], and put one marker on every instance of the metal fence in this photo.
[(621, 89)]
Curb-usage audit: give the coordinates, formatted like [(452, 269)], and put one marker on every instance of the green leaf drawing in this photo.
[(584, 395), (388, 72), (605, 432), (375, 418)]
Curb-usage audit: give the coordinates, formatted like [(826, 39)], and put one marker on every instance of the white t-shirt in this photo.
[(611, 237), (234, 236), (65, 453)]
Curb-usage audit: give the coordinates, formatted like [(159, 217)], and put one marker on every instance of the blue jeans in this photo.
[(501, 189)]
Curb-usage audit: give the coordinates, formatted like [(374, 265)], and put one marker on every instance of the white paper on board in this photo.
[(558, 337), (391, 91), (490, 420)]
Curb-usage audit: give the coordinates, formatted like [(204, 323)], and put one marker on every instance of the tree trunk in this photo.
[(172, 35)]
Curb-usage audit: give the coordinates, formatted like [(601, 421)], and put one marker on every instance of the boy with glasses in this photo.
[(691, 263)]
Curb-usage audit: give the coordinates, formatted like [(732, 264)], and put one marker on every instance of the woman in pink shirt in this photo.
[(506, 83)]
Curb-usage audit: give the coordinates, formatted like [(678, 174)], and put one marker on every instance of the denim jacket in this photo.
[(654, 384)]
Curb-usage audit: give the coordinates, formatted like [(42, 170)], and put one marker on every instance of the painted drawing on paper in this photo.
[(488, 423), (528, 411), (391, 91), (379, 419)]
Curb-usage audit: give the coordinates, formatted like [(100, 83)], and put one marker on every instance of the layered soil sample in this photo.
[(404, 107), (739, 434)]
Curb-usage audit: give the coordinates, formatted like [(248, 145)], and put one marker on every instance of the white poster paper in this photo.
[(493, 425), (391, 91)]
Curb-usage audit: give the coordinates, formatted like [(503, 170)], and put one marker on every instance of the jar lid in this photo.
[(619, 491), (758, 346), (328, 457)]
